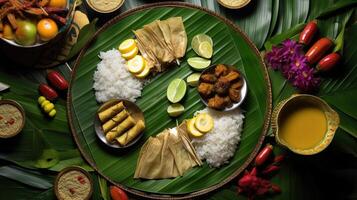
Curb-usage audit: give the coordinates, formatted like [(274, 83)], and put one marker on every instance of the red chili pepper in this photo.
[(11, 121), (81, 180), (318, 50), (57, 80), (263, 155), (48, 92), (278, 159), (270, 170), (117, 194), (328, 62), (308, 33), (72, 191)]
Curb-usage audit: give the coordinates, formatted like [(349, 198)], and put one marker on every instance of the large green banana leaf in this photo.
[(334, 179), (230, 47)]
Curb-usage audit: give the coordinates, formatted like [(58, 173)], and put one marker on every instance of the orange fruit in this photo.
[(8, 32), (58, 3), (47, 29)]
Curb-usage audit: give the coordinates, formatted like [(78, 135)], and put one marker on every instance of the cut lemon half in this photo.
[(175, 110), (198, 63), (176, 90), (192, 80), (131, 54), (127, 45), (136, 65), (144, 73), (205, 50), (204, 122), (192, 129)]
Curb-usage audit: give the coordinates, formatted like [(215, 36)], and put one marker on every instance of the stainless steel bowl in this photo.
[(243, 91), (133, 110)]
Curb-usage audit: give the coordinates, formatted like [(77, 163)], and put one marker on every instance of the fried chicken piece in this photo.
[(232, 75), (227, 101), (220, 70), (221, 86), (217, 102), (208, 78), (206, 89), (234, 94), (237, 85)]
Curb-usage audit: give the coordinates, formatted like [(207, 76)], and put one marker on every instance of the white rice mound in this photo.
[(113, 81), (219, 145)]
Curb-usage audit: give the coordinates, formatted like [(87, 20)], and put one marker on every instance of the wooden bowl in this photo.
[(286, 105), (22, 111), (73, 168), (133, 110), (243, 91), (236, 6)]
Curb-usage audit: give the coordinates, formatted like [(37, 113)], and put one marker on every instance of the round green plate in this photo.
[(231, 46)]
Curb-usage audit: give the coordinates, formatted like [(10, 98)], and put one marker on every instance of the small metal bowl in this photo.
[(243, 91), (21, 110), (133, 110), (237, 6)]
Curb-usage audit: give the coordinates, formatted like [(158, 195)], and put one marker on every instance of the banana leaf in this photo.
[(120, 168)]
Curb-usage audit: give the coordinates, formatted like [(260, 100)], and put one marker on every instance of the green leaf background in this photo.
[(329, 175)]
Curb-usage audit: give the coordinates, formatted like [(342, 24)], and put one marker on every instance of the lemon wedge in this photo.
[(136, 65), (127, 45), (131, 54), (175, 110), (192, 129), (204, 122), (144, 73)]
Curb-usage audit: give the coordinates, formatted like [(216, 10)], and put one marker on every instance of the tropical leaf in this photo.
[(121, 168), (290, 14), (336, 7), (32, 179)]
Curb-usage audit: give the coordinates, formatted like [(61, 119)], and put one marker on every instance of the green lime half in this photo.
[(175, 109), (198, 63), (198, 39), (176, 90), (192, 80)]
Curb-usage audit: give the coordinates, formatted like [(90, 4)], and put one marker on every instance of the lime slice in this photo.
[(205, 50), (176, 90), (193, 79), (192, 129), (198, 39), (198, 63), (204, 122), (127, 46), (175, 109)]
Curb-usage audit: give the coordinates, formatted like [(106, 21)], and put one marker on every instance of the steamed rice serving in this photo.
[(113, 81), (219, 145)]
